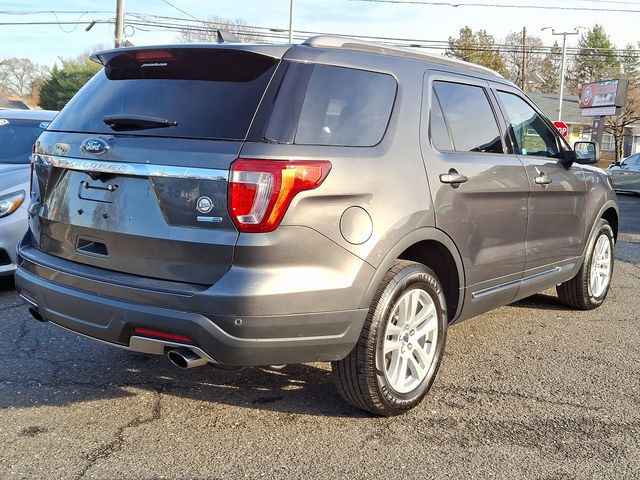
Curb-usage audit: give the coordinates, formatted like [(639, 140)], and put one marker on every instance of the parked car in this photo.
[(247, 205), (19, 130), (625, 174)]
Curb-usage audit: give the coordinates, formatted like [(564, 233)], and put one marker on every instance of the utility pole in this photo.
[(562, 63), (119, 35), (291, 10), (524, 59)]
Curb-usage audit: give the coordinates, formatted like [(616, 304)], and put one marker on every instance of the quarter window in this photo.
[(531, 134), (469, 116), (327, 105)]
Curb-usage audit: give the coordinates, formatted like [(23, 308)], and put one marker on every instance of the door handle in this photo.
[(542, 179), (453, 178)]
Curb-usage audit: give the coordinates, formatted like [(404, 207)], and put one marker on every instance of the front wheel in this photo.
[(588, 289), (396, 359)]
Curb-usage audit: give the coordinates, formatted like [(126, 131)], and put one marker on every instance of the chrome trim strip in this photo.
[(133, 169), (27, 299), (520, 283), (493, 290), (209, 219)]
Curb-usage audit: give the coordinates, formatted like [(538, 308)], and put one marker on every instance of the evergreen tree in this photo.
[(629, 61), (479, 48), (596, 59), (65, 81)]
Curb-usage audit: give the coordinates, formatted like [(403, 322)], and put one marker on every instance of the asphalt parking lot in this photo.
[(531, 390)]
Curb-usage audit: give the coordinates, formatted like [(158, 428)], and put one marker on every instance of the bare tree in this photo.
[(618, 125), (513, 57), (550, 70), (205, 32), (20, 77)]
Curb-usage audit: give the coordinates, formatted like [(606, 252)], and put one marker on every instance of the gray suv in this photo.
[(247, 205)]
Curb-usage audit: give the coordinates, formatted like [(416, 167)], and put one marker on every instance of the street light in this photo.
[(562, 64), (291, 9)]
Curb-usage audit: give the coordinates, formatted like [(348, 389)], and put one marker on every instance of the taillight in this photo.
[(260, 191)]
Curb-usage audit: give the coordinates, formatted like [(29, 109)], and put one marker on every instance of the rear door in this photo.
[(479, 192), (556, 227), (132, 174)]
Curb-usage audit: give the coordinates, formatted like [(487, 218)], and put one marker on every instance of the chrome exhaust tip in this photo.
[(185, 358), (36, 314)]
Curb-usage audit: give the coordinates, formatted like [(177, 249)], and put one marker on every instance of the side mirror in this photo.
[(587, 152), (567, 157), (616, 163)]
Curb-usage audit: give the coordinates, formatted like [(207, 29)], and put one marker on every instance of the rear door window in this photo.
[(327, 105), (207, 92), (470, 118)]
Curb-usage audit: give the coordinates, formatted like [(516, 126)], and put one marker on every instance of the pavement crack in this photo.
[(523, 396), (119, 439), (15, 305)]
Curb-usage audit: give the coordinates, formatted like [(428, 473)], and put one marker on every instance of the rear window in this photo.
[(208, 93), (326, 105), (17, 138)]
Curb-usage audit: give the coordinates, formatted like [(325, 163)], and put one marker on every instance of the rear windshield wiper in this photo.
[(136, 122)]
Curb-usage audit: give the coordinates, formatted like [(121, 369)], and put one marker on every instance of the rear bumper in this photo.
[(108, 311)]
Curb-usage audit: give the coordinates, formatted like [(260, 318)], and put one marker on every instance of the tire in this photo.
[(581, 292), (376, 382)]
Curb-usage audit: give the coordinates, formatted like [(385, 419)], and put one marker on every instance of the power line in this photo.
[(497, 5), (279, 35), (179, 9)]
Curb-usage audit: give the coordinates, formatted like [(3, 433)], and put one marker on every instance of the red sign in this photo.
[(562, 128), (608, 93)]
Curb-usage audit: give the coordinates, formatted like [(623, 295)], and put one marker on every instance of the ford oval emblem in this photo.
[(96, 146)]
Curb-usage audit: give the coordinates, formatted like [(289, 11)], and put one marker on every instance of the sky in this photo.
[(45, 44)]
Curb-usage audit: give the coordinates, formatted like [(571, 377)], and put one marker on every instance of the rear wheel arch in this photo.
[(433, 248)]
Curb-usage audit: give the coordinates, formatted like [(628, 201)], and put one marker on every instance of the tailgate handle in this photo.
[(88, 246), (108, 188)]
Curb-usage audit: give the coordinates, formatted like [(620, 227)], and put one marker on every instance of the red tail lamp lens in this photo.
[(260, 191)]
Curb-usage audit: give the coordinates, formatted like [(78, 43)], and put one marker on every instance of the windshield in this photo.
[(201, 92), (17, 138)]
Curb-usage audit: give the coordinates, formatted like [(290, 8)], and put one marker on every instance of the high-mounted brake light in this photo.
[(260, 191), (153, 55)]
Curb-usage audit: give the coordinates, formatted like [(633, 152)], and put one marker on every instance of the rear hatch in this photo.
[(132, 174)]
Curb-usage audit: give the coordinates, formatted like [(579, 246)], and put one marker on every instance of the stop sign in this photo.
[(562, 128)]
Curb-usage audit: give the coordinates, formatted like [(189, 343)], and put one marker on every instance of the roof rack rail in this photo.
[(347, 43)]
